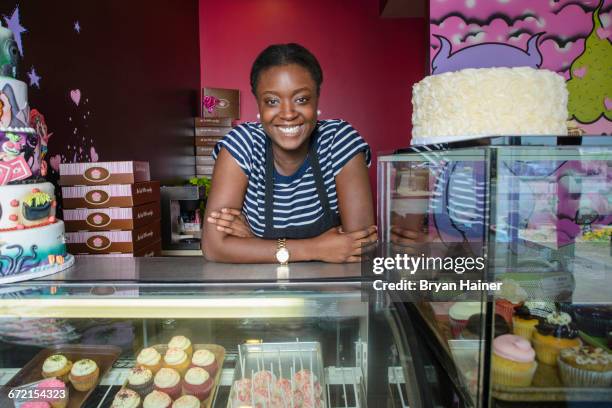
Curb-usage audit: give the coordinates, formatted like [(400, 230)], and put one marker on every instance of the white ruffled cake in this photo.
[(490, 102), (32, 242)]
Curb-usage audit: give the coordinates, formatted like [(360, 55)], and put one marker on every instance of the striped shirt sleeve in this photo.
[(346, 144), (239, 143)]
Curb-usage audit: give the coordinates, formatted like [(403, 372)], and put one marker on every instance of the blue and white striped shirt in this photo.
[(296, 202)]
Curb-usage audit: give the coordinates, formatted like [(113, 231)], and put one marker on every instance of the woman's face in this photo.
[(287, 100)]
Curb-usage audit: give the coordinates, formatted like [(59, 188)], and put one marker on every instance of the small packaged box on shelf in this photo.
[(204, 150), (205, 161), (92, 174), (212, 131), (213, 122), (220, 102), (96, 219), (106, 196), (207, 140), (106, 242)]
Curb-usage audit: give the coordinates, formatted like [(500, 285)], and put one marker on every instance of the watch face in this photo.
[(282, 255)]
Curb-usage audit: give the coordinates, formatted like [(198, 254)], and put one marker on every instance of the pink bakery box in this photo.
[(150, 250), (93, 174), (97, 219), (116, 195), (107, 242)]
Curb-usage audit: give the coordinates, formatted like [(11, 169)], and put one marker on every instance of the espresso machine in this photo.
[(182, 212)]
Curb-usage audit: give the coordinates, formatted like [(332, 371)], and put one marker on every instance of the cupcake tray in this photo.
[(217, 350), (277, 357), (104, 356), (547, 386)]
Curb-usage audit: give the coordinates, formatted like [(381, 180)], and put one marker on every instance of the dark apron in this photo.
[(330, 219)]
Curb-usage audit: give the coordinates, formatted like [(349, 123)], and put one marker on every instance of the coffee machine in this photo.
[(182, 212)]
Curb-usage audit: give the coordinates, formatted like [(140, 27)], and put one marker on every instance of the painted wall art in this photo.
[(570, 37)]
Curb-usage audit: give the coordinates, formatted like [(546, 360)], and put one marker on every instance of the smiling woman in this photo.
[(291, 187)]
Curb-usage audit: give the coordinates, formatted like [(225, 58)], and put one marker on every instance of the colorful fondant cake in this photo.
[(490, 102), (32, 240)]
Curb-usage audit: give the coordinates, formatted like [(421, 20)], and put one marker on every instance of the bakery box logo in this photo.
[(98, 243), (145, 235), (144, 214), (96, 174), (98, 220), (97, 197)]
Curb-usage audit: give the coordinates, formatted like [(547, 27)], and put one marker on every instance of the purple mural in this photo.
[(558, 35)]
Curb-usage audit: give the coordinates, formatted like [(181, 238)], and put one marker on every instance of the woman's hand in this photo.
[(231, 222), (338, 247)]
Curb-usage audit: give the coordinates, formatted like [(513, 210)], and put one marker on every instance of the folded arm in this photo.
[(221, 244)]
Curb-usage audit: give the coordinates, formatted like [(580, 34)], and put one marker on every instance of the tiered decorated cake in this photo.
[(31, 238), (488, 102)]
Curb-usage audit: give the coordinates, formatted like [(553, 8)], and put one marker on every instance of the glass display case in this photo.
[(109, 309), (538, 209)]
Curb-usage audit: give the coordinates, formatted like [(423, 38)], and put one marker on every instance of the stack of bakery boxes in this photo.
[(111, 209), (219, 108)]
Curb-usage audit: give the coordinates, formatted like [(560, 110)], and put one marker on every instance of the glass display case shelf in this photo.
[(539, 209)]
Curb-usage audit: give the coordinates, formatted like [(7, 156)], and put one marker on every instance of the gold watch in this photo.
[(282, 253)]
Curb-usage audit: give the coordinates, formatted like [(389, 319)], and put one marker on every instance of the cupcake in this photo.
[(205, 359), (84, 374), (149, 358), (57, 391), (513, 362), (186, 401), (523, 322), (126, 398), (541, 309), (472, 330), (552, 335), (510, 296), (57, 366), (585, 367), (168, 380), (157, 399), (182, 343), (197, 382), (176, 359), (459, 314), (140, 380)]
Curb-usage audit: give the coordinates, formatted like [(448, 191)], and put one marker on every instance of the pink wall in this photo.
[(369, 63)]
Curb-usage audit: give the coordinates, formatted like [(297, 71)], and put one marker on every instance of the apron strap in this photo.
[(329, 217)]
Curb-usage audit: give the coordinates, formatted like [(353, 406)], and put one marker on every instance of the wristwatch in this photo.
[(282, 253)]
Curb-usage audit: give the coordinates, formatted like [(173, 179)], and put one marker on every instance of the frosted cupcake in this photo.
[(523, 322), (510, 296), (205, 359), (57, 389), (140, 380), (126, 398), (186, 401), (585, 367), (459, 314), (57, 366), (197, 382), (513, 362), (552, 335), (182, 343), (149, 358), (84, 374), (157, 399), (176, 359), (168, 380)]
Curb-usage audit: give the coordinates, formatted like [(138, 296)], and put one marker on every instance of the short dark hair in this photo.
[(285, 54)]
